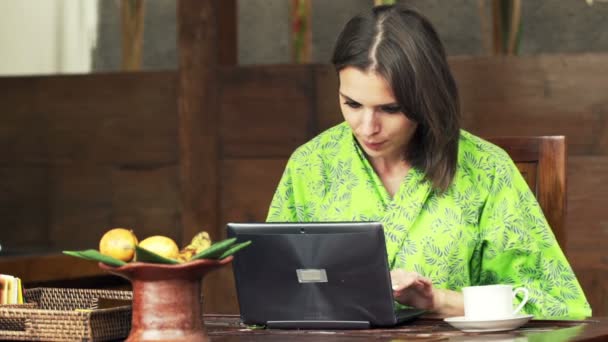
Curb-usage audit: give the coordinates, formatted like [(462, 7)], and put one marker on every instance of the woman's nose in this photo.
[(369, 123)]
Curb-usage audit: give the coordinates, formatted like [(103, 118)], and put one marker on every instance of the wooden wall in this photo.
[(81, 154), (84, 153)]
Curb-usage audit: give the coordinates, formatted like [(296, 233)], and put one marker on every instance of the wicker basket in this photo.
[(50, 315)]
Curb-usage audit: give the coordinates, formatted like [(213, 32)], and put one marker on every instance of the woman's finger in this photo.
[(402, 280), (425, 280)]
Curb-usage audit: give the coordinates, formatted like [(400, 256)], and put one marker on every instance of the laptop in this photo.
[(315, 276)]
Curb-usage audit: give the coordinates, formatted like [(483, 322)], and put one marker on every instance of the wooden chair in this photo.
[(542, 162)]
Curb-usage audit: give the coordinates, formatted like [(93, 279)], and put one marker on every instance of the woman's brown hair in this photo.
[(402, 46)]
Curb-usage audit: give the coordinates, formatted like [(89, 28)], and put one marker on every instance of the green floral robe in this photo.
[(486, 228)]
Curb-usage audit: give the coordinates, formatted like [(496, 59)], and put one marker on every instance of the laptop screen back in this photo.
[(313, 272)]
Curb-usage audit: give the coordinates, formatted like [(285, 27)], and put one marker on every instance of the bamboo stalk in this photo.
[(484, 23), (514, 26), (132, 26), (497, 29), (301, 31), (384, 2)]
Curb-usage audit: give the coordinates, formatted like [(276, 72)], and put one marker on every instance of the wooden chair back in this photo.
[(542, 162)]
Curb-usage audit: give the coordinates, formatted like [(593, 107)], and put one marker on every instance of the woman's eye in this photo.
[(391, 109), (352, 104)]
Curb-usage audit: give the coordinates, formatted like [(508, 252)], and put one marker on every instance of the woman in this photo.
[(455, 209)]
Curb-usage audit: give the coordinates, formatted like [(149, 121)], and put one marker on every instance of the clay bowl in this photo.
[(167, 299)]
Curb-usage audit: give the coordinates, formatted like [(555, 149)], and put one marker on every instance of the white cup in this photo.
[(492, 301)]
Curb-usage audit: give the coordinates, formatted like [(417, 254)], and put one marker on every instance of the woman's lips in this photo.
[(373, 145)]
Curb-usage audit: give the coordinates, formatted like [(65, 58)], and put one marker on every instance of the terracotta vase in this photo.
[(167, 299)]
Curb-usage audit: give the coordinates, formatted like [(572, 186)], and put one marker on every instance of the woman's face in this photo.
[(370, 108)]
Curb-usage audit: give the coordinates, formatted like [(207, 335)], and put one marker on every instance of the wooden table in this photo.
[(227, 328)]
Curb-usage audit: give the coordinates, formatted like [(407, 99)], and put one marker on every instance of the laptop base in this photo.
[(406, 315), (318, 324)]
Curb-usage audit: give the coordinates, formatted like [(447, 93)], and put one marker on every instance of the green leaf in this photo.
[(78, 254), (235, 249), (215, 250), (94, 255), (144, 255), (256, 326)]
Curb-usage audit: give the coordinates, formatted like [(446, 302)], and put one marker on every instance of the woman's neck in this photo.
[(388, 167), (391, 174)]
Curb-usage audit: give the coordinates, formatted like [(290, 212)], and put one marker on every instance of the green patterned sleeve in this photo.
[(519, 248), (282, 207)]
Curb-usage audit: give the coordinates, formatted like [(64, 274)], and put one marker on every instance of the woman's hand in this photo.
[(412, 289)]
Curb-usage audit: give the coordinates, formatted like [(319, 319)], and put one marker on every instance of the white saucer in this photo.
[(504, 324)]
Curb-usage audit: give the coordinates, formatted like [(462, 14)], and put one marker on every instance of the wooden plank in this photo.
[(220, 292), (147, 201), (80, 205), (531, 118), (592, 256), (125, 118), (575, 74), (23, 136), (133, 139), (326, 95), (103, 94), (529, 172), (48, 268), (594, 282), (587, 218), (555, 76), (227, 32), (269, 118), (197, 107), (247, 188), (18, 93), (551, 187), (24, 208), (522, 95)]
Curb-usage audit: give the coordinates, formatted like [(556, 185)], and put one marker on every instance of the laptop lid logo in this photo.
[(310, 275)]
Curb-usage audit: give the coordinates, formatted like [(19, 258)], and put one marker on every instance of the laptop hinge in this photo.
[(318, 324)]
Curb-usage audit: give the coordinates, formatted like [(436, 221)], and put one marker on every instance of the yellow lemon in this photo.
[(118, 243), (161, 245)]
